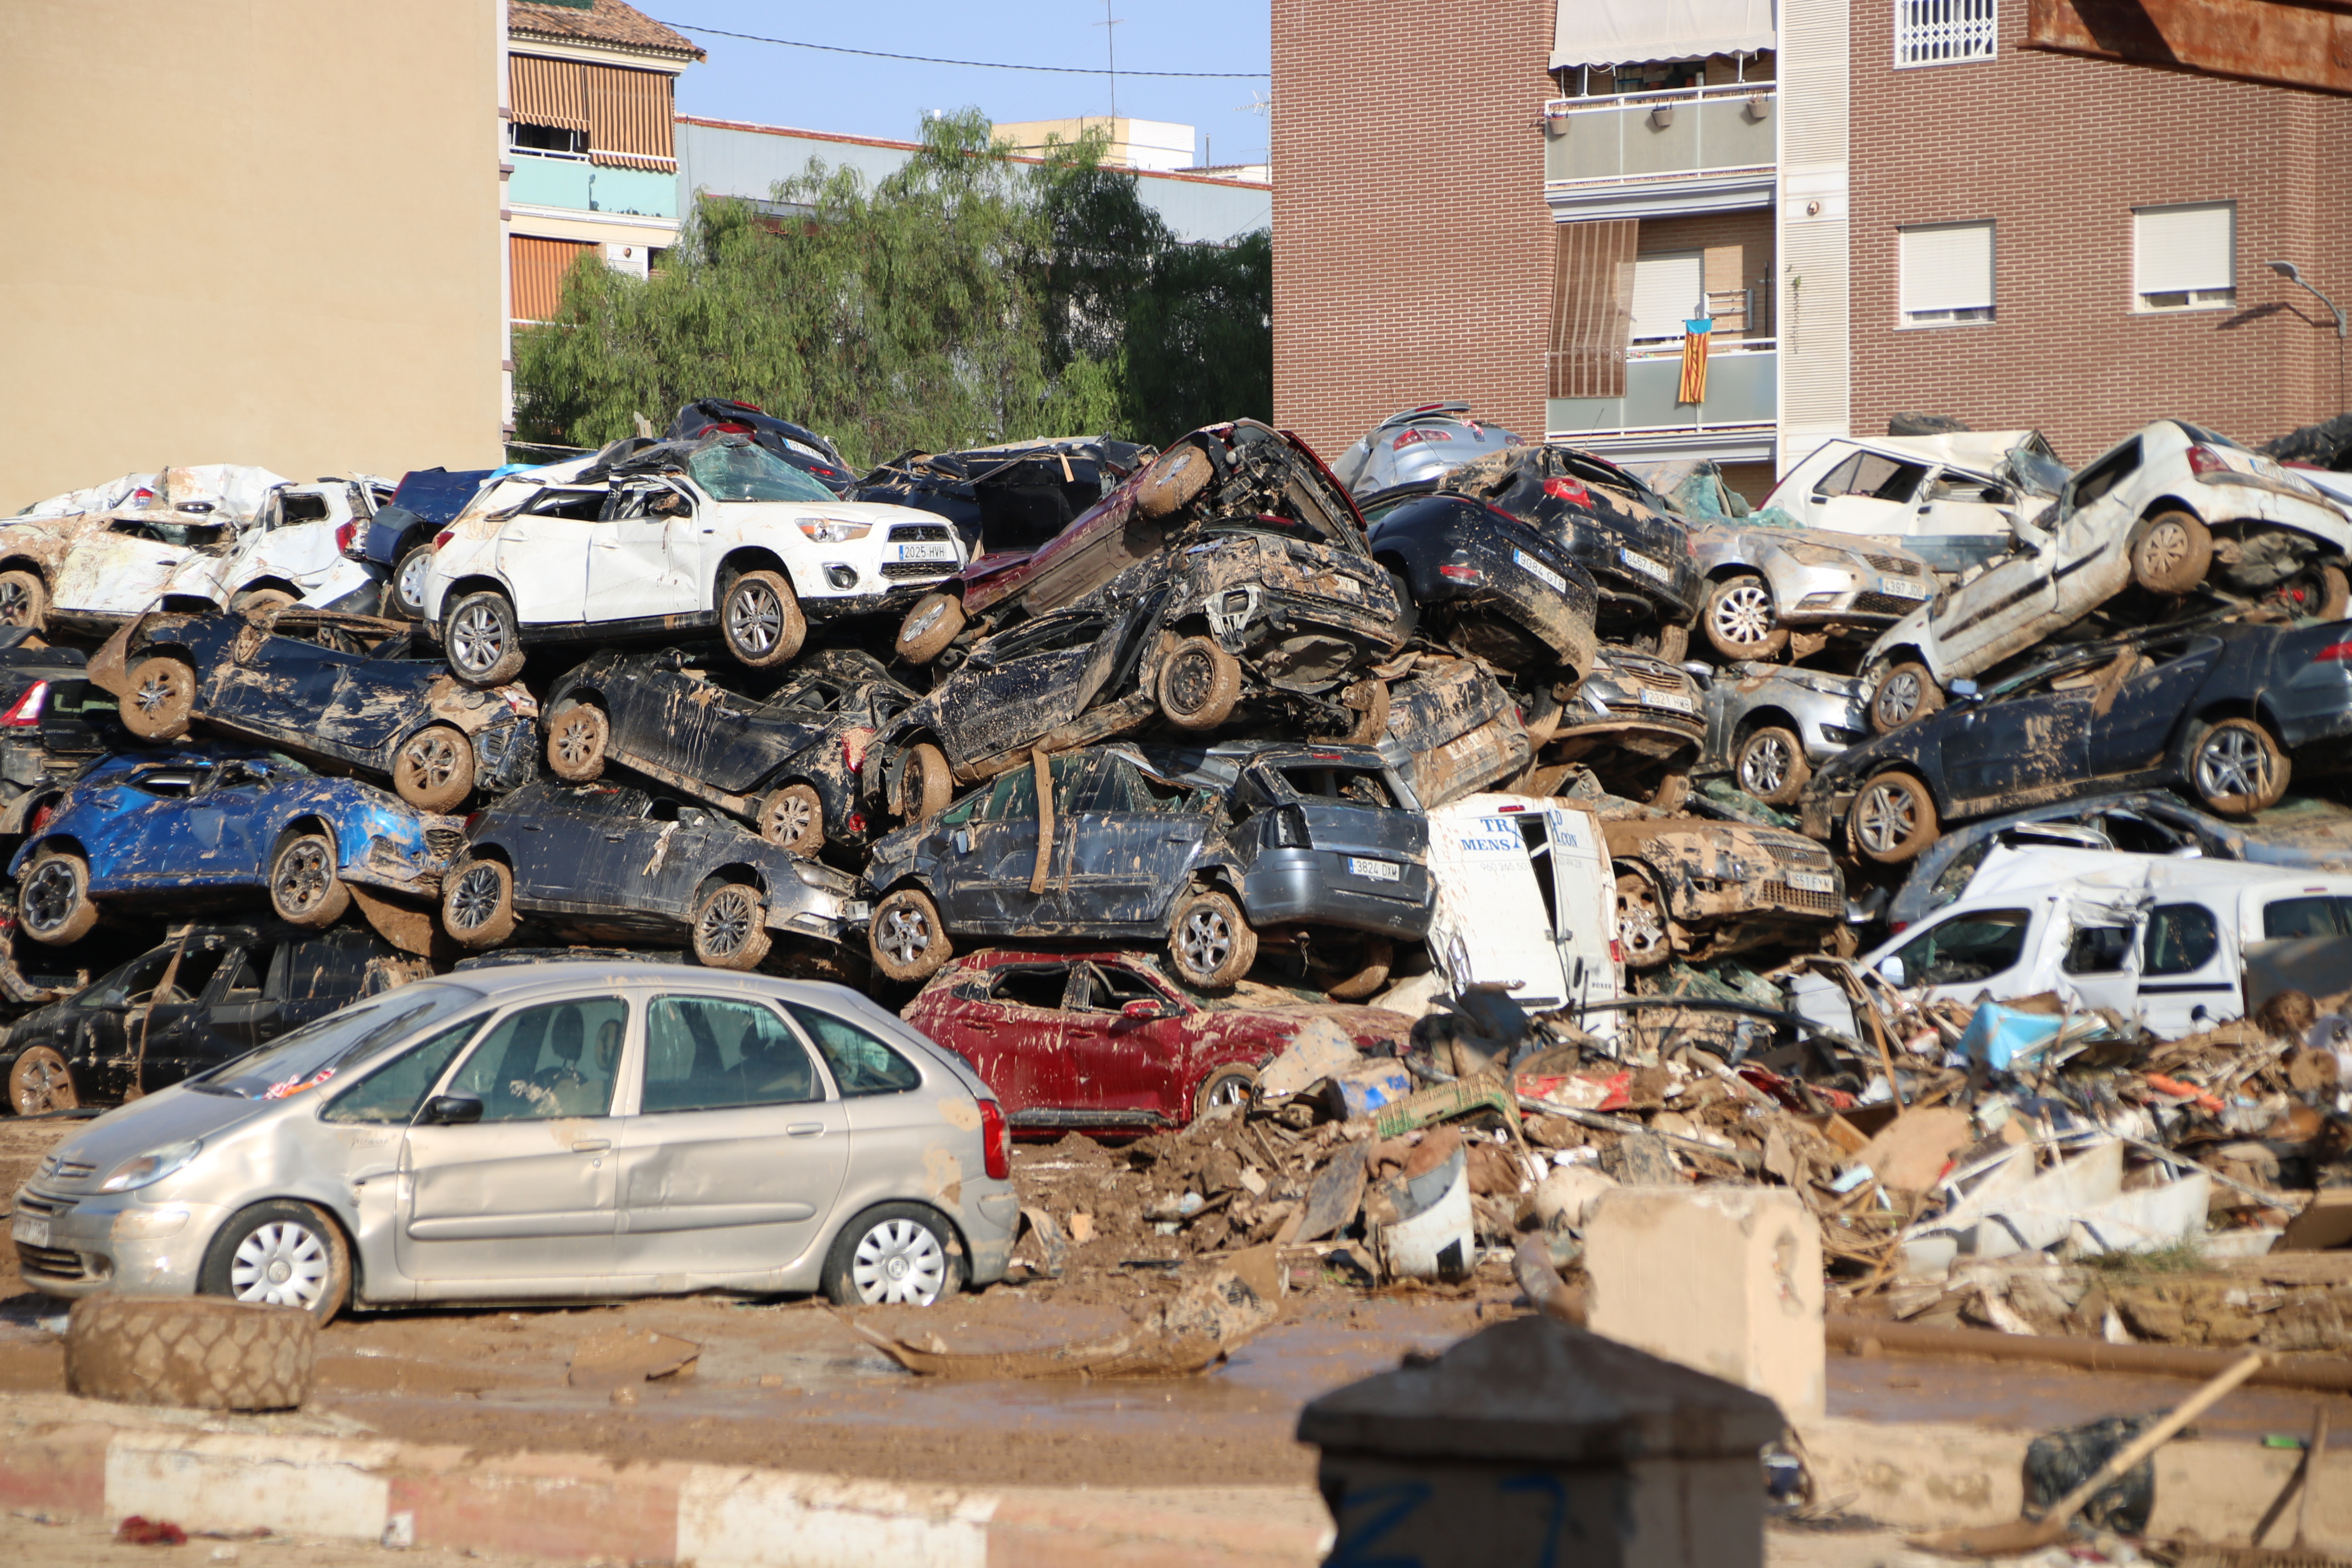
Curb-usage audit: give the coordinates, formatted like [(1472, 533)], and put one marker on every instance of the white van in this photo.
[(2168, 938), (1525, 898)]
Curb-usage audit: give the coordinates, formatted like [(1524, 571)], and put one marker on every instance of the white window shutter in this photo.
[(1948, 267), (2175, 249), (1667, 290)]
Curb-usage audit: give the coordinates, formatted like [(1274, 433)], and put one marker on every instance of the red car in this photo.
[(1107, 1041)]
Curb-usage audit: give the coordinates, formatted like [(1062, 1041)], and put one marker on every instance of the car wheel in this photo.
[(53, 899), (483, 639), (930, 627), (1210, 941), (1226, 1087), (1375, 955), (1771, 765), (760, 619), (1906, 693), (304, 888), (906, 940), (2319, 595), (280, 1254), (576, 737), (434, 769), (1674, 789), (39, 1082), (2170, 552), (1173, 480), (478, 904), (893, 1255), (731, 928), (1199, 684), (793, 816), (925, 785), (24, 601), (259, 602), (2236, 768), (1641, 922), (162, 698), (1674, 644), (403, 594), (1368, 699), (1739, 619), (1893, 820)]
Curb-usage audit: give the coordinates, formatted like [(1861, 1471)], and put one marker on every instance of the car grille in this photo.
[(1651, 675), (64, 1169), (1884, 604), (1796, 852), (1790, 898), (444, 842), (897, 569), (918, 533), (1894, 565), (51, 1262)]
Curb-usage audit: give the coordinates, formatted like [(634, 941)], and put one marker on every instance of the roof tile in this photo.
[(604, 22)]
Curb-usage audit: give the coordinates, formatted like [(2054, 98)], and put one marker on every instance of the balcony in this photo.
[(1735, 422), (568, 180), (1656, 154)]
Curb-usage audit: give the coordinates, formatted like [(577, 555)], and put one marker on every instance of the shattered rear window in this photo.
[(740, 472), (1354, 785)]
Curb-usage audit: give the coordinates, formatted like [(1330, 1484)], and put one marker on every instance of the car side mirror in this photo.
[(1966, 691), (1701, 672), (1144, 1008), (962, 842), (452, 1111), (1890, 969)]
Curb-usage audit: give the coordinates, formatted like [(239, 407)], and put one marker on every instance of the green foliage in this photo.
[(966, 298)]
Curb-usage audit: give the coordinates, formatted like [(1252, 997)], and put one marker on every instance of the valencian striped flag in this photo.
[(1694, 337)]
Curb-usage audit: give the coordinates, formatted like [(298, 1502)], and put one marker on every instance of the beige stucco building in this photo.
[(255, 231)]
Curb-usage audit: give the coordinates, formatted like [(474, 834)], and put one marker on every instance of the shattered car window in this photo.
[(1870, 475), (1965, 949), (2182, 939), (733, 470), (860, 1063), (1106, 988), (1354, 785), (337, 1043), (2097, 950), (2036, 473), (1030, 985)]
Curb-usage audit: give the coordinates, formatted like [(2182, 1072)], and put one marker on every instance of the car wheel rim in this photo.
[(50, 897), (2167, 546), (904, 936), (727, 923), (1886, 817), (433, 760), (1638, 927), (410, 590), (2232, 763), (788, 820), (755, 620), (14, 602), (1898, 698), (41, 1078), (1207, 941), (899, 1262), (281, 1264), (1188, 681), (476, 898), (575, 742), (919, 627), (1233, 1091), (1744, 614), (481, 640), (1765, 768), (152, 694), (302, 877)]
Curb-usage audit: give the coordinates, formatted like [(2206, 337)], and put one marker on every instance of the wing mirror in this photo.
[(1966, 691), (1889, 970), (1701, 672), (452, 1111), (962, 842), (1146, 1009)]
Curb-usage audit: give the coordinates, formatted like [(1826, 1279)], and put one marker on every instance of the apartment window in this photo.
[(1944, 32), (1946, 274), (2185, 257), (1668, 289)]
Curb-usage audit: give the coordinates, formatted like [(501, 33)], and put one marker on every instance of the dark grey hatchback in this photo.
[(1322, 849)]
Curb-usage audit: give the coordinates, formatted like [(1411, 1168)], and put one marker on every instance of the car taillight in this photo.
[(26, 711), (1290, 828), (996, 1140), (2204, 460), (441, 539), (1896, 927), (2341, 652), (1616, 952), (347, 535), (1459, 574), (1568, 490), (468, 825), (41, 818)]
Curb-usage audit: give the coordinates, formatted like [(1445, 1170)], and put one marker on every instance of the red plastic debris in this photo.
[(141, 1531)]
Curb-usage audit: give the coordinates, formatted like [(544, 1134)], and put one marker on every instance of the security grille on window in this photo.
[(1946, 274), (1944, 32), (2185, 257)]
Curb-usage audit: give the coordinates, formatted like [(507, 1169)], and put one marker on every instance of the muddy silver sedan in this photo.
[(554, 1131)]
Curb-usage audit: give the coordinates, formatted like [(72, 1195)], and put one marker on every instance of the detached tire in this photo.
[(933, 623), (478, 904), (2170, 552), (761, 621), (24, 601), (1739, 619), (1771, 765), (731, 928), (906, 940), (53, 899), (1906, 693), (894, 1255), (2235, 767), (1893, 821), (39, 1081), (305, 888), (280, 1254), (1199, 685), (483, 639), (162, 698), (1210, 941), (793, 818), (434, 769), (259, 602), (1174, 480), (576, 738), (1370, 700), (925, 783), (1376, 955), (198, 1354)]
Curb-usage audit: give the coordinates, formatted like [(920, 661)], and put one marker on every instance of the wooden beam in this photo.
[(2287, 43)]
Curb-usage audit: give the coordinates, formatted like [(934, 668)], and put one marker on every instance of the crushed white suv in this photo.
[(659, 538)]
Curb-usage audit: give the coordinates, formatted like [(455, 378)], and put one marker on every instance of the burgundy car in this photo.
[(1107, 1041)]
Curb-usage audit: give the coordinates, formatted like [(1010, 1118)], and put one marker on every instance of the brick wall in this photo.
[(1412, 247), (2058, 150)]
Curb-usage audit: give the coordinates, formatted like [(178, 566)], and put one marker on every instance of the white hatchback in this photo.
[(669, 538)]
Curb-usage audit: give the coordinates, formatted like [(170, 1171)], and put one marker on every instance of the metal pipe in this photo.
[(2332, 1375)]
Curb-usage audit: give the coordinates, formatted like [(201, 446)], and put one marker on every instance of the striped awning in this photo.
[(548, 92), (629, 118)]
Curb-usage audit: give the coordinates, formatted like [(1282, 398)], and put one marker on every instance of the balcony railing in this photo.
[(1647, 136), (1742, 390), (565, 180)]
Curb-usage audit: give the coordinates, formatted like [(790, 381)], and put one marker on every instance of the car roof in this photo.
[(2046, 868), (505, 984)]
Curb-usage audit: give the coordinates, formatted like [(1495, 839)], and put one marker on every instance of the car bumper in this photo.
[(988, 1222), (1827, 596), (1532, 593), (1310, 887), (113, 1243), (894, 600)]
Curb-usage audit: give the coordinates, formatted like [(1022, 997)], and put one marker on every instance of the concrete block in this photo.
[(1726, 1280)]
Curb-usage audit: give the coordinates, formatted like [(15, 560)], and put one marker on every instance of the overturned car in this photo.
[(1009, 498), (1694, 889)]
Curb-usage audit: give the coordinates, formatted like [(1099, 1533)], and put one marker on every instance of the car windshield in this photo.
[(737, 471), (2037, 473), (337, 1043)]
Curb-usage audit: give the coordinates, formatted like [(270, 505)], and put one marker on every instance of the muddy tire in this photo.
[(259, 602), (195, 1355), (40, 1081), (760, 619), (1893, 821), (404, 591), (2335, 594), (1210, 941), (1174, 480), (1642, 935), (1674, 644), (280, 1254), (1740, 621), (930, 627), (1199, 684), (2235, 767), (577, 735), (2170, 552), (906, 940), (304, 887), (478, 904), (925, 785), (1674, 789), (1771, 765), (483, 639), (731, 928), (2320, 595), (1906, 693), (1232, 1085), (1377, 955), (53, 900), (24, 601), (434, 769), (894, 1255), (794, 817), (1368, 701), (162, 698)]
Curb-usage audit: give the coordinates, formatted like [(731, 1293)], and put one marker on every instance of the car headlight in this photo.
[(148, 1169), (832, 530)]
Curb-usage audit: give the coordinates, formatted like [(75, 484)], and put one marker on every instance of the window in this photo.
[(1030, 985), (1874, 477), (2181, 940), (2185, 257), (543, 1062), (704, 1054), (860, 1063), (1944, 32), (738, 470), (2308, 916), (1965, 948), (1667, 290), (2103, 475), (2097, 950), (1106, 988), (1946, 274), (394, 1093)]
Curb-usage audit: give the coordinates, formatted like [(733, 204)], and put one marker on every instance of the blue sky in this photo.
[(854, 96)]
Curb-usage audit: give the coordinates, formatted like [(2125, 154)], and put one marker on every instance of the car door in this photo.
[(139, 832), (2189, 968), (248, 1010), (529, 1191), (566, 843), (542, 552), (1956, 501), (1121, 1065), (1121, 840), (290, 685), (228, 820), (660, 712), (1872, 493), (2032, 737), (1024, 684), (2134, 727), (124, 567), (172, 1036), (1008, 1025), (1965, 952), (2101, 959), (643, 554), (736, 1149), (996, 872)]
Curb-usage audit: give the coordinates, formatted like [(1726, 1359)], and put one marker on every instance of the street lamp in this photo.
[(2288, 270)]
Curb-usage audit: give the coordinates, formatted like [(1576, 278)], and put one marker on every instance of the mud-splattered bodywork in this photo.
[(1010, 498), (1634, 720), (1845, 587), (1453, 730), (1826, 713), (1494, 584), (1727, 886)]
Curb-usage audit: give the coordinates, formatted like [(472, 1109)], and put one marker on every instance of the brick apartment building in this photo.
[(1878, 205)]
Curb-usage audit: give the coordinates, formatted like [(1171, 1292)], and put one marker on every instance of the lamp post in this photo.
[(2288, 270)]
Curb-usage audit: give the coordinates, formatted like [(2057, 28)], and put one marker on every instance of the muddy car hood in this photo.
[(145, 1125)]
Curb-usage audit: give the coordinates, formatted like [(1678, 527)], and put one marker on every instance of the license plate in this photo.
[(1557, 583), (1673, 699), (1343, 584), (941, 551), (1901, 588), (1811, 882), (1375, 871), (1640, 562), (32, 1229)]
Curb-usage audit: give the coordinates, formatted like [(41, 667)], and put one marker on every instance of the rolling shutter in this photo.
[(1667, 290), (1948, 267), (538, 267), (1592, 306), (2175, 249), (629, 122)]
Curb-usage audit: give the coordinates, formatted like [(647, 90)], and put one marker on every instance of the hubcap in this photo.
[(433, 760), (905, 935), (283, 1265), (410, 589), (50, 897), (754, 619), (1207, 941), (304, 876), (1885, 817), (1764, 768), (480, 639), (1899, 697), (1745, 614), (899, 1261), (727, 923), (788, 819), (575, 742), (2233, 763), (476, 899), (2167, 546)]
